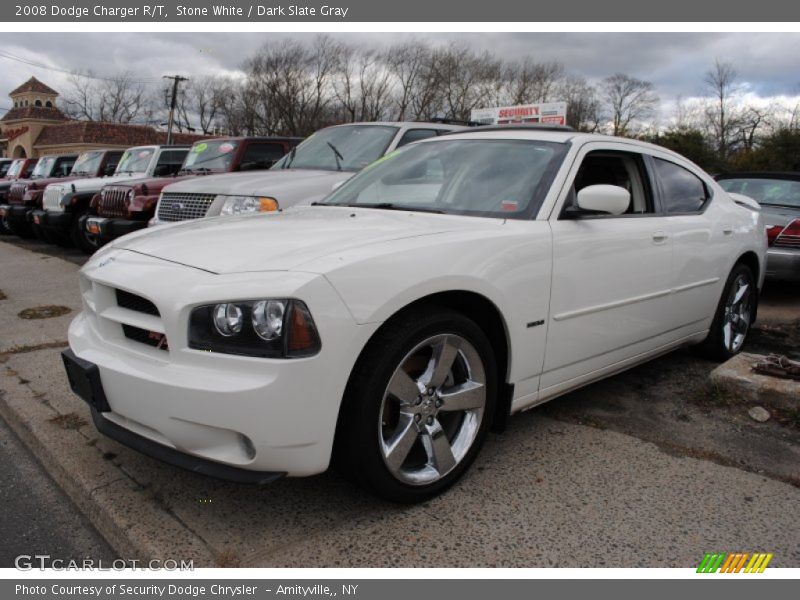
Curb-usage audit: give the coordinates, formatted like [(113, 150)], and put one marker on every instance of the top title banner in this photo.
[(406, 11)]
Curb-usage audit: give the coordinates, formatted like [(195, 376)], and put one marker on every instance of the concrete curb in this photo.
[(737, 378), (74, 457)]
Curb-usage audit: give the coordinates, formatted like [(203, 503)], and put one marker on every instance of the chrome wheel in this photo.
[(432, 409), (738, 309)]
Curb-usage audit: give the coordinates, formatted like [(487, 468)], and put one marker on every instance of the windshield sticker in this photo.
[(225, 148), (144, 153), (384, 158), (200, 148)]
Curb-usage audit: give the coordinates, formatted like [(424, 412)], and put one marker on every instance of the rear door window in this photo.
[(414, 135), (683, 191), (261, 155)]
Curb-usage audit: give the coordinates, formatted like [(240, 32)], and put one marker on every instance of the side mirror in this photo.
[(161, 171), (604, 199), (109, 170)]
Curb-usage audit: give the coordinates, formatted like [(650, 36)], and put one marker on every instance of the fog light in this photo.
[(228, 319)]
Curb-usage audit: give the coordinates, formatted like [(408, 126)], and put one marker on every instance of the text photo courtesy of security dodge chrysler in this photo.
[(385, 330)]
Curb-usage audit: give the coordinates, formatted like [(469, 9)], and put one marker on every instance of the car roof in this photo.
[(407, 124), (547, 133), (792, 175)]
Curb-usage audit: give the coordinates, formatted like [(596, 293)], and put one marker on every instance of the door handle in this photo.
[(659, 237), (727, 230)]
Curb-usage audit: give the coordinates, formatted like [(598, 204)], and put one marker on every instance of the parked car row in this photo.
[(151, 185), (380, 305)]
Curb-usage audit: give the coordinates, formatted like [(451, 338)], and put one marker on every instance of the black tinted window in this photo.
[(414, 135), (261, 156), (64, 165), (683, 191), (170, 161)]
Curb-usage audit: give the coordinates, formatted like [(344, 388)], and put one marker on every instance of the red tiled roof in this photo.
[(35, 112), (35, 86), (114, 134)]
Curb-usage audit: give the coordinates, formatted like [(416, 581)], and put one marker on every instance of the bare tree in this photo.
[(629, 100), (527, 81), (362, 84), (292, 83), (407, 62), (467, 79), (118, 99), (722, 83), (583, 106)]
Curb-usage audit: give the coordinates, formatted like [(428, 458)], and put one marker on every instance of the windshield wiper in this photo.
[(290, 159), (338, 155), (393, 206)]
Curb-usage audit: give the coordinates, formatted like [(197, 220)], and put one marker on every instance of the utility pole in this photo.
[(176, 79)]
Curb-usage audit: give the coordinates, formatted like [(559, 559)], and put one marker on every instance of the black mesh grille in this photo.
[(137, 303), (151, 338)]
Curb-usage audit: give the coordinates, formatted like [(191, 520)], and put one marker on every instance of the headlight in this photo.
[(269, 328), (236, 205)]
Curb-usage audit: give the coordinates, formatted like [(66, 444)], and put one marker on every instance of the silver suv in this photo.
[(306, 174)]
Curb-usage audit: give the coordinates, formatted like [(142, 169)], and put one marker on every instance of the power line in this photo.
[(7, 55)]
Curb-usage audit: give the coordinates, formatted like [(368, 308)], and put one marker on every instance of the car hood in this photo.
[(93, 184), (285, 240), (287, 186)]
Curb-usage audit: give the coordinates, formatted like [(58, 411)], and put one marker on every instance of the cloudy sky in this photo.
[(674, 62)]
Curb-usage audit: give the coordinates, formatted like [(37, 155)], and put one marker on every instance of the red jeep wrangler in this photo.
[(124, 207), (16, 209)]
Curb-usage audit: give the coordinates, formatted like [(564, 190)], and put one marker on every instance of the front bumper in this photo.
[(16, 215), (253, 414), (783, 264), (110, 228), (58, 221), (85, 382)]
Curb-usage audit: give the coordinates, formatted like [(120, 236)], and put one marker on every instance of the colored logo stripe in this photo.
[(734, 563)]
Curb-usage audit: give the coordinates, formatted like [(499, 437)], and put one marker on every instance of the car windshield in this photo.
[(43, 167), (342, 148), (88, 163), (482, 177), (135, 160), (5, 167), (770, 192), (15, 168), (215, 155)]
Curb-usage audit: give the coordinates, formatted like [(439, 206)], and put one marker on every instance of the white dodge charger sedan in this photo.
[(388, 328)]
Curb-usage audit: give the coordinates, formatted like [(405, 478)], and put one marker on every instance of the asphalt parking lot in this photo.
[(649, 468)]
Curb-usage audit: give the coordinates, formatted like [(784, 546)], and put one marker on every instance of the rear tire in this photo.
[(418, 406), (735, 313)]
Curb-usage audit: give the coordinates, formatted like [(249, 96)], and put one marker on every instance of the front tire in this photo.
[(418, 406), (81, 238), (734, 315)]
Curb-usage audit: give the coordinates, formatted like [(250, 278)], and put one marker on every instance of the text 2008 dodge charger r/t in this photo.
[(452, 283)]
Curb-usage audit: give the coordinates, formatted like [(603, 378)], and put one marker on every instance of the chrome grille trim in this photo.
[(114, 201), (181, 207), (52, 197), (15, 193)]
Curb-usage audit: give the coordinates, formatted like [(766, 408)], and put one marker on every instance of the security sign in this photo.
[(550, 113)]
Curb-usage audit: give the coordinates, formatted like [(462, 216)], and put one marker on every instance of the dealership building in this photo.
[(34, 126)]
